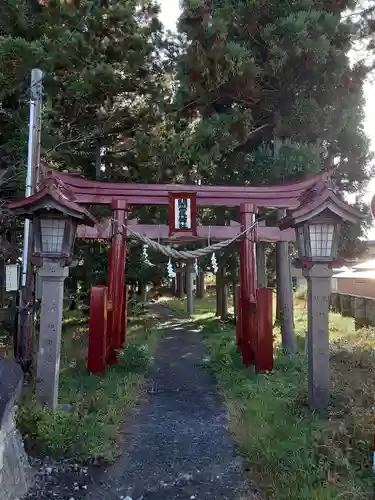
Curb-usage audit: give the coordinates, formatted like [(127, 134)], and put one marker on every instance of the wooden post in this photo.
[(248, 285), (124, 315), (224, 300), (335, 302), (97, 349), (360, 319), (264, 352), (261, 264), (120, 210), (173, 287), (238, 311), (234, 298), (200, 284), (110, 351), (116, 278), (180, 283), (219, 291), (221, 294), (346, 306), (189, 289), (285, 293)]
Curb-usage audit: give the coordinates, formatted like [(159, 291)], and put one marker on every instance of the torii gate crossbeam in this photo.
[(103, 193), (103, 230)]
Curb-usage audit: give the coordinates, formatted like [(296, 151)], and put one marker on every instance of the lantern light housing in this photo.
[(54, 234), (55, 215), (317, 222), (318, 238)]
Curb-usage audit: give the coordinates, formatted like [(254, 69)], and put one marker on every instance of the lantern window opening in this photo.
[(321, 239), (52, 234)]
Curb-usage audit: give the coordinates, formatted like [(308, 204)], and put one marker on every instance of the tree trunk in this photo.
[(277, 313), (189, 290), (261, 264), (200, 285), (173, 287), (234, 295), (180, 284), (285, 294), (144, 293), (224, 301), (219, 292), (197, 286), (98, 160)]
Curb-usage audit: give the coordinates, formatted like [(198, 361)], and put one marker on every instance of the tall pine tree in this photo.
[(104, 82), (252, 69), (106, 87)]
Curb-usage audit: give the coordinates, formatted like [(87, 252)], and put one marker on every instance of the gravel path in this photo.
[(178, 444)]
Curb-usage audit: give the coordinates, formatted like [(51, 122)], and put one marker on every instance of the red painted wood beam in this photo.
[(281, 196), (216, 233), (165, 189), (143, 198)]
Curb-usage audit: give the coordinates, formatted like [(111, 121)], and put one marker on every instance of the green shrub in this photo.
[(59, 434), (91, 431), (134, 358), (136, 307)]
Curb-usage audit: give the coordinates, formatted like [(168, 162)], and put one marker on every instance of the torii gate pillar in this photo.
[(116, 278), (248, 281)]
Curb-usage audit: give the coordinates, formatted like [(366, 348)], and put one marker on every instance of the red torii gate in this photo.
[(254, 311)]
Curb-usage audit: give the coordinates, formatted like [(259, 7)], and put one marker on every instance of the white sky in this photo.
[(170, 10)]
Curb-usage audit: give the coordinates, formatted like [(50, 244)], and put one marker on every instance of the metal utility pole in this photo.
[(23, 348)]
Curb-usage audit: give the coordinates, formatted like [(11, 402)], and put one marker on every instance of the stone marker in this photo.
[(48, 364)]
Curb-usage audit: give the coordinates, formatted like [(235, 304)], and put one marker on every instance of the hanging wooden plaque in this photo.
[(182, 214)]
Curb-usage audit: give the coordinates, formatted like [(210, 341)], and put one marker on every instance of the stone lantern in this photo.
[(55, 215), (317, 224)]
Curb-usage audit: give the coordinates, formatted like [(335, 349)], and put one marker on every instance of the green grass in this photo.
[(93, 430), (291, 453), (203, 308)]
